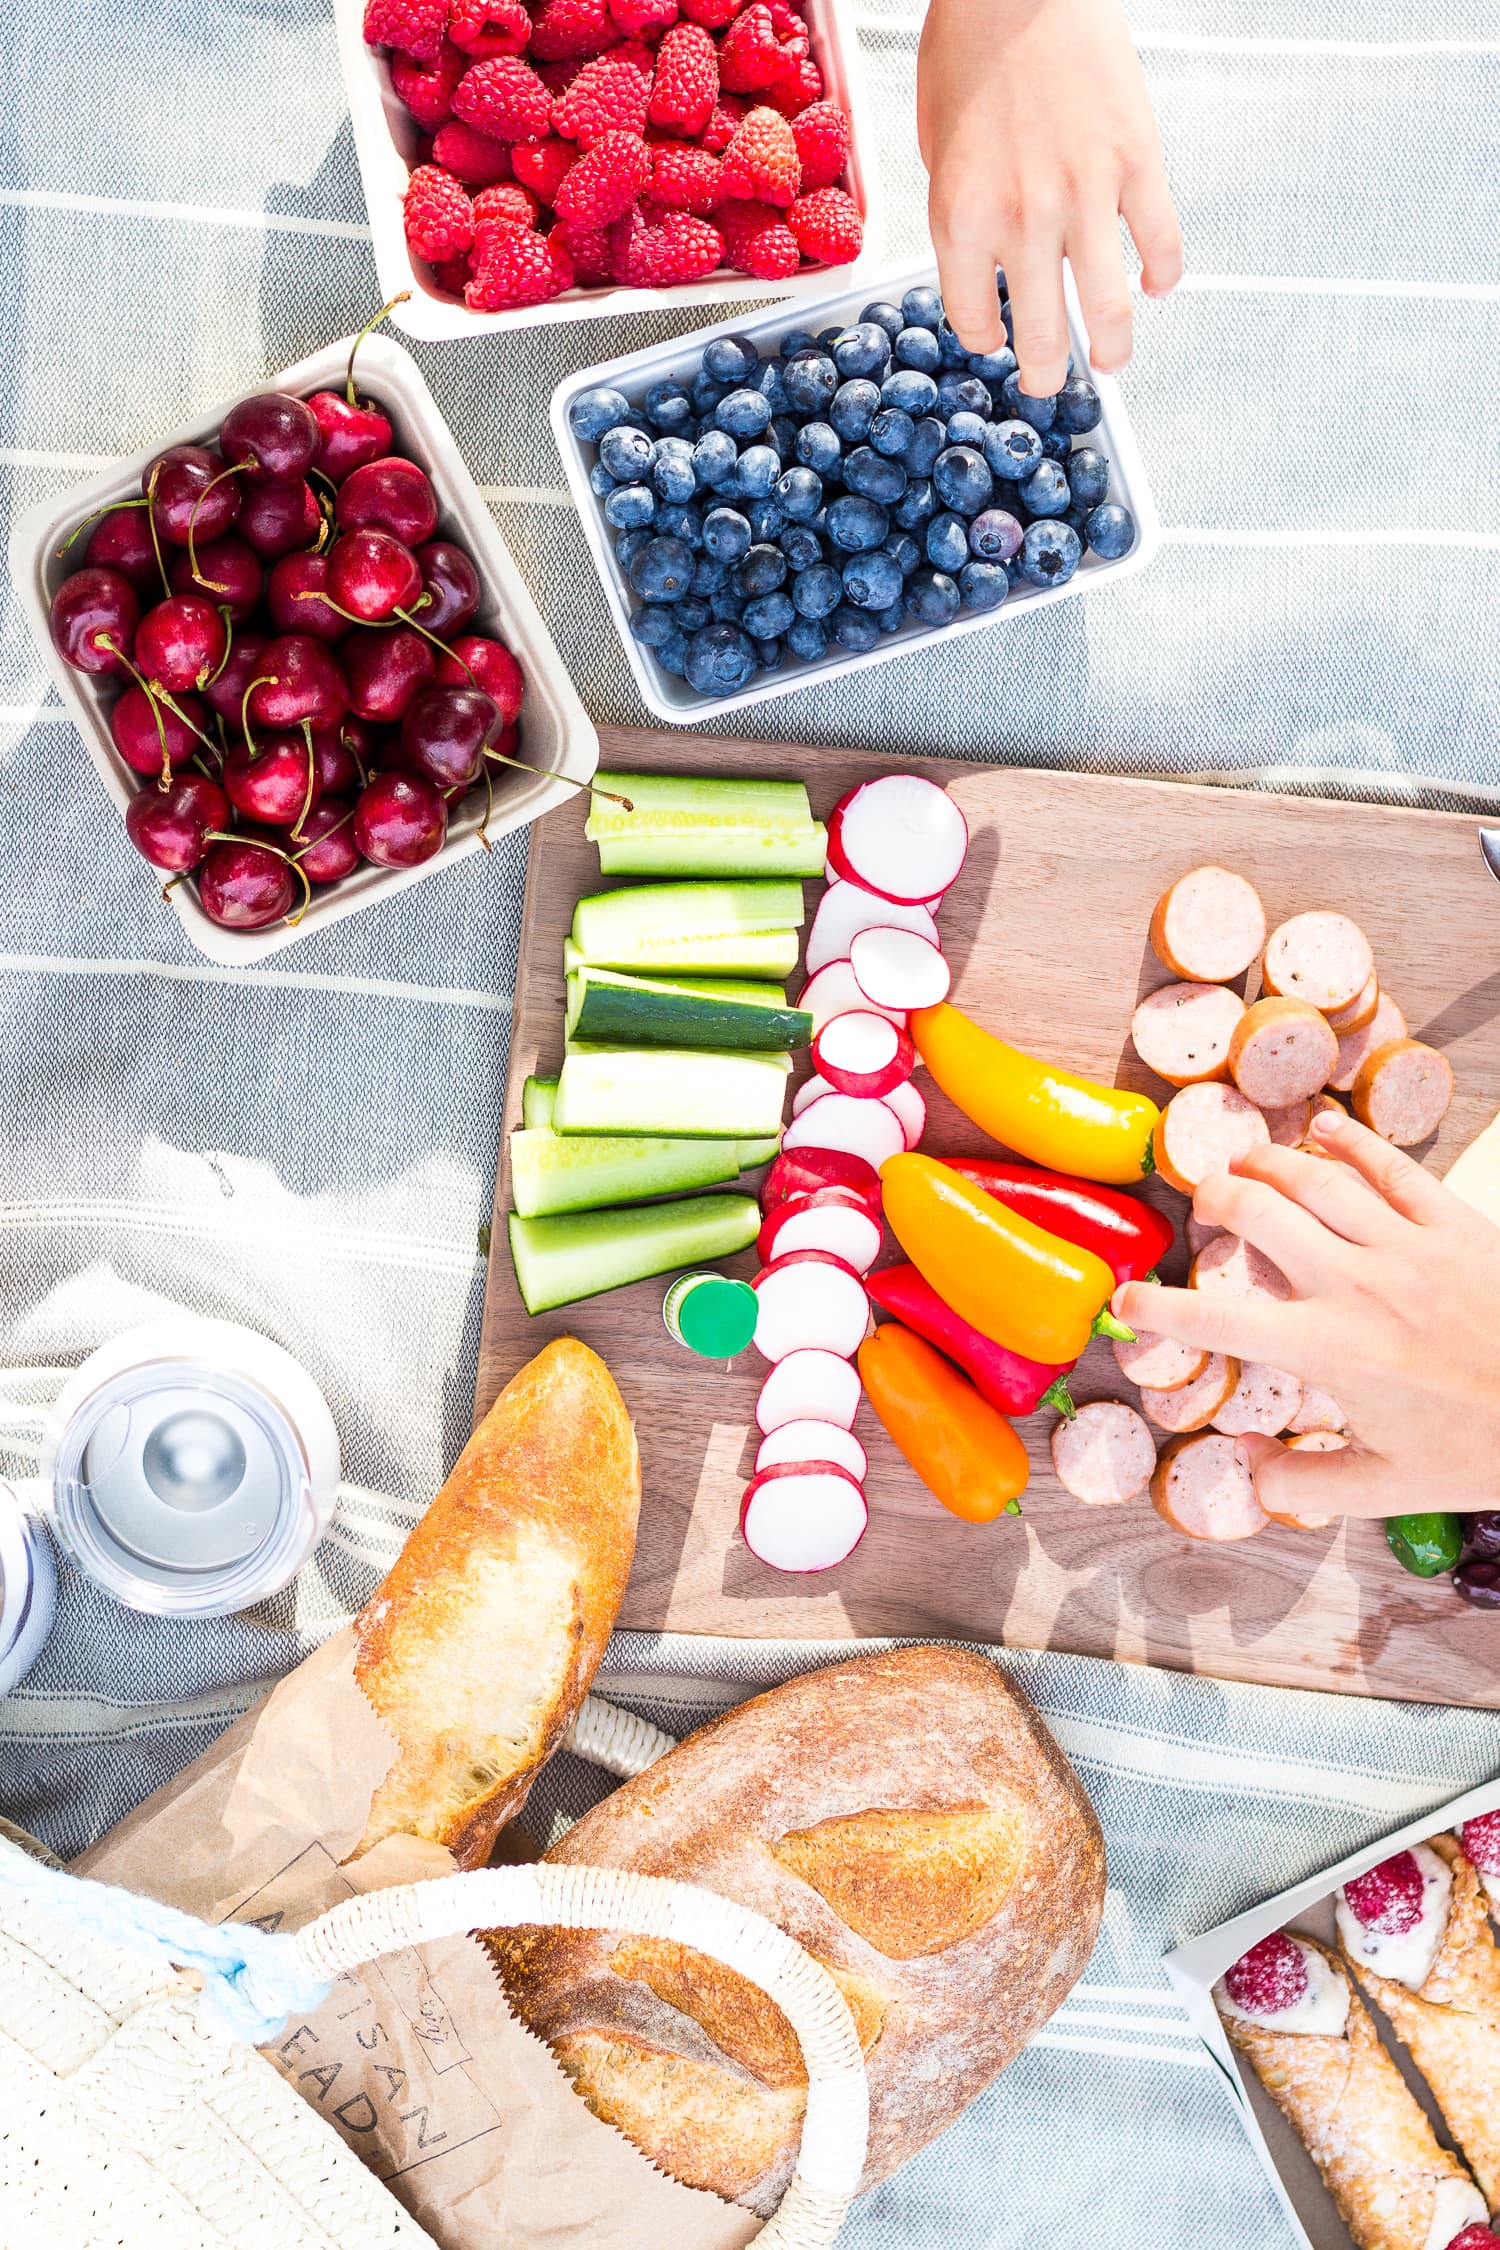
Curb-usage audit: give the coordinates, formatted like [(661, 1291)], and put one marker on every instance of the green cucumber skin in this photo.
[(755, 1153), (613, 1009), (538, 1100), (576, 1254), (688, 825), (551, 1172), (726, 929), (671, 1092)]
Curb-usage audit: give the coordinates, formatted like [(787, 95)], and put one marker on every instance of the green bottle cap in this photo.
[(712, 1315)]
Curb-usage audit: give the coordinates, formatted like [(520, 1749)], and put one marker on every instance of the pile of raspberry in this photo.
[(585, 143)]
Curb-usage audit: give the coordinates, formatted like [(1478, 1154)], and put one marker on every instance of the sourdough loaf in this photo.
[(482, 1640), (910, 1821)]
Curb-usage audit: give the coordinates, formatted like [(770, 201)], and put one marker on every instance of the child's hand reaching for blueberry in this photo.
[(1036, 129)]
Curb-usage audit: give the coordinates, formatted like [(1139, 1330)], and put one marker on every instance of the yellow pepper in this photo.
[(962, 1448), (1001, 1273), (1046, 1114)]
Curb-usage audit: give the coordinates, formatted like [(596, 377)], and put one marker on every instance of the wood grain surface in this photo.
[(1046, 931)]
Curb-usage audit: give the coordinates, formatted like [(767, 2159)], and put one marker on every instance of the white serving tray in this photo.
[(1195, 1968), (633, 374), (556, 732), (385, 143)]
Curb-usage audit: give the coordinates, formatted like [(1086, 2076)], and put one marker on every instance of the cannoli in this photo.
[(1481, 1841), (1288, 2005), (1416, 1933)]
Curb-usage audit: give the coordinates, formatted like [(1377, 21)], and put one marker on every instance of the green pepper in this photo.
[(1425, 1545)]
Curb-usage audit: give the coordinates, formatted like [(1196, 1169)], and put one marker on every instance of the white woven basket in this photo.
[(131, 2120)]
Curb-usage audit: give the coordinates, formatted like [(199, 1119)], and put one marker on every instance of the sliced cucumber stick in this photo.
[(586, 1171), (708, 929), (538, 1096), (577, 1254), (685, 1093), (683, 825), (615, 1008)]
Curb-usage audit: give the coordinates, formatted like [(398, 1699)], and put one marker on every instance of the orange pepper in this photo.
[(962, 1448)]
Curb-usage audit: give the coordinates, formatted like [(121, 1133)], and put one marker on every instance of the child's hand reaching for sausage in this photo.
[(1396, 1311)]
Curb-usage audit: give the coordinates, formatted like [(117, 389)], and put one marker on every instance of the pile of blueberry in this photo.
[(820, 498)]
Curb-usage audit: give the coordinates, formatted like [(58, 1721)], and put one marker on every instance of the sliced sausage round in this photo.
[(1201, 1487), (1263, 1403), (1200, 1234), (1194, 1405), (1183, 1031), (1159, 1363), (1288, 1126), (1319, 1415), (1105, 1455), (1403, 1091), (1201, 1131), (1386, 1024), (1209, 926), (1236, 1268), (1281, 1052), (1361, 1008), (1321, 957)]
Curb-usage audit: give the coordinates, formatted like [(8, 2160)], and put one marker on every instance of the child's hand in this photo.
[(1396, 1312), (1037, 133)]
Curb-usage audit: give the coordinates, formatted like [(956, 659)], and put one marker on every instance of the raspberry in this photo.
[(610, 94), (1387, 1898), (761, 163), (542, 166), (684, 178), (427, 90), (413, 27), (489, 27), (504, 97), (516, 266), (508, 200), (749, 54), (1476, 2237), (828, 226), (437, 213), (557, 77), (605, 181), (687, 79), (571, 27), (822, 137), (1481, 1840), (796, 86), (727, 117), (471, 157), (588, 248), (714, 13), (452, 274), (656, 249), (785, 21), (1270, 1977), (643, 19), (758, 240)]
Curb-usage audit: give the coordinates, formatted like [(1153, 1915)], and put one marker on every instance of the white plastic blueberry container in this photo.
[(385, 142), (556, 732), (672, 699)]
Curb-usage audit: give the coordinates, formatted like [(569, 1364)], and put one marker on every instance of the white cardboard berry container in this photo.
[(385, 142), (634, 373), (1194, 1969), (557, 733)]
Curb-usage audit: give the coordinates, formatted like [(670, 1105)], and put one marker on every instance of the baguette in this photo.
[(481, 1642), (910, 1821)]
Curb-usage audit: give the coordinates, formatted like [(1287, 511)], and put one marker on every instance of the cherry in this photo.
[(183, 475), (371, 575), (451, 584), (352, 434), (181, 642), (227, 693), (490, 665), (386, 668), (276, 518), (228, 575), (298, 678), (170, 826), (1479, 1583), (95, 613), (1482, 1535), (400, 820), (272, 437), (140, 726), (391, 495), (1270, 1977), (346, 755), (328, 851), (1387, 1898), (243, 886), (121, 540), (445, 734), (300, 575), (276, 781)]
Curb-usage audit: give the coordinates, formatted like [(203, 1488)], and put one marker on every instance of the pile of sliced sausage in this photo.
[(1245, 1074)]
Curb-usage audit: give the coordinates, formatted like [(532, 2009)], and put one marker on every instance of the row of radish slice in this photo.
[(895, 847)]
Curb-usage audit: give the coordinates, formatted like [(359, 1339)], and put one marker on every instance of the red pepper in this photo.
[(1129, 1235), (1011, 1383)]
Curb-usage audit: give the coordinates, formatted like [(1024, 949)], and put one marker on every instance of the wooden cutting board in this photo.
[(1046, 931)]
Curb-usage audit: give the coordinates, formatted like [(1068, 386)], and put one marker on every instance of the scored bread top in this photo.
[(482, 1640)]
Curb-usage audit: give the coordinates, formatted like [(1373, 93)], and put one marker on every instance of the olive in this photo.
[(1479, 1583), (1482, 1535), (1425, 1545)]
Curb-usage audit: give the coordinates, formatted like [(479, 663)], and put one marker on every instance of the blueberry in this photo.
[(1050, 553), (809, 383), (708, 576), (874, 476), (767, 380), (629, 545), (673, 476), (730, 359), (916, 506), (950, 350), (818, 447), (910, 389), (1008, 317), (1078, 405), (826, 338), (705, 393), (1039, 412), (862, 350), (892, 432), (1056, 444), (891, 620), (771, 615), (965, 428), (593, 412), (668, 406), (758, 468), (653, 626), (663, 570), (726, 534), (1045, 491), (922, 308), (983, 585), (715, 459), (767, 518), (760, 571), (1079, 519), (801, 546), (853, 409), (903, 550), (807, 637), (962, 480), (854, 629), (872, 581), (728, 607), (856, 522), (994, 536), (917, 347), (744, 414), (601, 483), (948, 543), (797, 340), (770, 654), (627, 453), (963, 394), (1088, 475), (691, 613), (800, 493), (819, 524), (932, 597), (629, 506), (783, 434), (928, 440), (993, 367), (681, 520), (719, 660), (672, 654), (817, 591), (884, 316), (1111, 531), (1012, 450)]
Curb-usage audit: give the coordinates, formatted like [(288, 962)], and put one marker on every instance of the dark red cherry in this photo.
[(445, 733), (229, 575), (183, 475), (294, 588), (349, 436), (400, 820), (278, 517), (95, 614), (392, 495), (226, 693), (493, 668), (298, 679), (272, 437), (245, 887), (181, 642), (170, 826), (331, 853), (121, 540), (276, 782), (139, 725), (372, 575), (386, 666), (451, 583)]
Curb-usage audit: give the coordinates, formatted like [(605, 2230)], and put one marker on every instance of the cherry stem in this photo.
[(166, 583), (316, 594), (400, 298), (489, 806), (312, 777), (312, 840), (232, 471), (259, 844), (107, 510), (359, 765), (169, 886), (325, 523), (178, 713), (267, 679), (501, 757), (144, 685), (225, 613), (324, 478)]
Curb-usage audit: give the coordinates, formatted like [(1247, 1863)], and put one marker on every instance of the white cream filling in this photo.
[(1323, 2009), (1405, 1957), (1455, 2205)]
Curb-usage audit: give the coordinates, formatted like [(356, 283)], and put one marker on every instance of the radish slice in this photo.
[(911, 1111), (810, 1301), (810, 1089), (833, 1219), (831, 876), (813, 1441), (898, 969), (901, 837), (844, 912), (848, 1121), (834, 992), (861, 1052), (809, 1386), (803, 1515), (799, 1172)]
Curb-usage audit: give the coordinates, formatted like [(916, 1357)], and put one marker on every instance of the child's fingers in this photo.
[(1147, 209), (966, 274), (1348, 1483), (1402, 1182), (1255, 1328), (1331, 1192), (1093, 247), (1308, 1253), (1033, 272)]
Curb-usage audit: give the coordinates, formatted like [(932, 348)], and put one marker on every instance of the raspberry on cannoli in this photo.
[(1289, 2007), (1416, 1933), (1480, 1838)]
